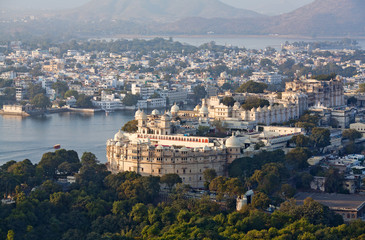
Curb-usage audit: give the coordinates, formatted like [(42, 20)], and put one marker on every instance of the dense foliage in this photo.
[(126, 205), (252, 87)]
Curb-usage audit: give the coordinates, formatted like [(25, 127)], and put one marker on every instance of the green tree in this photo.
[(361, 88), (199, 92), (320, 138), (260, 200), (297, 158), (84, 101), (228, 101), (170, 180), (60, 87), (130, 99), (300, 140), (254, 102), (35, 89), (252, 87), (351, 134), (41, 101), (11, 235), (131, 126), (209, 175), (70, 93)]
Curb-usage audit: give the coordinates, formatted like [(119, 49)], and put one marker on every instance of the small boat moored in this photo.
[(57, 146)]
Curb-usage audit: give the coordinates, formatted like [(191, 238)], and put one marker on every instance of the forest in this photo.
[(101, 205)]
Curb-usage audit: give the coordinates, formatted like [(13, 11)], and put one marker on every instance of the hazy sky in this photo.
[(270, 7)]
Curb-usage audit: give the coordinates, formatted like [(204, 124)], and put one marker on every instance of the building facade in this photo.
[(320, 93)]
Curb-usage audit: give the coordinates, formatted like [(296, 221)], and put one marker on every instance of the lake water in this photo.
[(30, 137), (253, 42), (250, 42)]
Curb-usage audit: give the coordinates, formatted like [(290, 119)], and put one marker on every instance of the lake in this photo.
[(30, 137)]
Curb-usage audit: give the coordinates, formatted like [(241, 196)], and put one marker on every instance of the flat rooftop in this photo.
[(334, 201)]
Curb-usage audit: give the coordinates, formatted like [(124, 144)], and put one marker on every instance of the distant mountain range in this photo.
[(345, 18), (155, 10)]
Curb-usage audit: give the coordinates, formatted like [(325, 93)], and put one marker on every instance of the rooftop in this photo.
[(334, 201)]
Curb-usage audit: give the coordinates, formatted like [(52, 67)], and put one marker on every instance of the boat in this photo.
[(57, 146)]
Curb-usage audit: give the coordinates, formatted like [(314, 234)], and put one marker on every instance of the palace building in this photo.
[(157, 150), (161, 146)]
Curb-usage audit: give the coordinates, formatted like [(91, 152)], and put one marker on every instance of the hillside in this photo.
[(156, 10), (322, 17)]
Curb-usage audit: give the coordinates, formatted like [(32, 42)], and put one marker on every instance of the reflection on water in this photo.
[(30, 137), (13, 117)]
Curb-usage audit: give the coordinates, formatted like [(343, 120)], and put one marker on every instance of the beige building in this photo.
[(276, 113), (320, 93), (157, 148)]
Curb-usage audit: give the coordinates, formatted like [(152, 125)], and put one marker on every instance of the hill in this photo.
[(322, 17), (155, 10)]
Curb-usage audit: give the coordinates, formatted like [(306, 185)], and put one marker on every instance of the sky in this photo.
[(269, 7)]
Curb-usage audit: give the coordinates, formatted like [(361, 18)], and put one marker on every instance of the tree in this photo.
[(260, 200), (320, 138), (70, 93), (351, 134), (287, 191), (202, 130), (362, 87), (254, 102), (228, 101), (300, 140), (41, 101), (199, 92), (60, 87), (209, 175), (334, 181), (11, 235), (297, 158), (35, 89), (325, 77), (84, 101), (130, 99), (131, 126), (252, 87), (170, 179)]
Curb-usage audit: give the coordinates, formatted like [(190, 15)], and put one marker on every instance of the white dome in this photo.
[(138, 112), (118, 136), (142, 116), (175, 108), (204, 110), (159, 147), (233, 142), (155, 112)]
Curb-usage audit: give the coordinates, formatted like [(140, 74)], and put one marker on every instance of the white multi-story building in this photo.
[(144, 91)]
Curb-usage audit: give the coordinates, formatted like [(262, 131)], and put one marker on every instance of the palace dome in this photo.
[(138, 112), (175, 108), (143, 115), (118, 136), (233, 142), (204, 110), (155, 112)]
